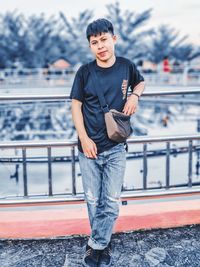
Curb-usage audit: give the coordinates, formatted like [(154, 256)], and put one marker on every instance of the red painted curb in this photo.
[(65, 220)]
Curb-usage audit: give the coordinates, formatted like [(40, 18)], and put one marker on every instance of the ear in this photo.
[(115, 38)]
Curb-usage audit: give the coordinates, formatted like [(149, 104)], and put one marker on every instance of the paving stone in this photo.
[(179, 247), (155, 255)]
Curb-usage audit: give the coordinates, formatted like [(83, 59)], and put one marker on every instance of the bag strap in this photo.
[(97, 89)]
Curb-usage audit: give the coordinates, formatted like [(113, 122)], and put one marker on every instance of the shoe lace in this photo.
[(107, 252), (90, 252)]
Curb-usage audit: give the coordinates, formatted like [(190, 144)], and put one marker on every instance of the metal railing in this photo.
[(48, 145), (183, 75), (53, 97), (74, 195), (11, 78)]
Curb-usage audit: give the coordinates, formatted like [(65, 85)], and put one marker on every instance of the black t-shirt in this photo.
[(115, 82)]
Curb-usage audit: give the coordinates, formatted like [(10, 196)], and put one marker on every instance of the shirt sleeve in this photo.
[(135, 76), (77, 87)]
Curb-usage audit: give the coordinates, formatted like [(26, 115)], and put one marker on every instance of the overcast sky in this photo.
[(180, 14)]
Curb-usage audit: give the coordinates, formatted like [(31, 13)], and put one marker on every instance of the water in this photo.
[(61, 173), (182, 120)]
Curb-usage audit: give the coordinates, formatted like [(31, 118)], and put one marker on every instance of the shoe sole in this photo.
[(104, 265), (85, 264)]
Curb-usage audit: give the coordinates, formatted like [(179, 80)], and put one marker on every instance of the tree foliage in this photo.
[(128, 26), (37, 40), (33, 41), (75, 38), (166, 41)]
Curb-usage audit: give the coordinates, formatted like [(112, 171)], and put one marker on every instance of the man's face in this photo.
[(103, 46)]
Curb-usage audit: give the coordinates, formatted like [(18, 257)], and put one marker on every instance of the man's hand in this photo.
[(89, 147), (131, 105)]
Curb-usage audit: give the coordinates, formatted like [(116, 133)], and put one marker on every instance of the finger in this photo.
[(92, 153), (132, 111), (87, 153), (128, 111), (95, 149), (125, 110)]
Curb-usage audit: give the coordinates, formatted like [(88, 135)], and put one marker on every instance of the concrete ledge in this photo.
[(55, 220)]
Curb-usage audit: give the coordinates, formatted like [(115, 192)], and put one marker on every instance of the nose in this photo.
[(100, 45)]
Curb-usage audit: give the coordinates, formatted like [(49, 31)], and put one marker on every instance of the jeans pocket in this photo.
[(81, 154)]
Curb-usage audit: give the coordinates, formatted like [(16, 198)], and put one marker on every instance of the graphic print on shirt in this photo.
[(124, 88)]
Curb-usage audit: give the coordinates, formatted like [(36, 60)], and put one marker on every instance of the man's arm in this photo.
[(88, 146), (132, 101)]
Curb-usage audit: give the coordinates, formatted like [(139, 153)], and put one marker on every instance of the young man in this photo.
[(102, 161)]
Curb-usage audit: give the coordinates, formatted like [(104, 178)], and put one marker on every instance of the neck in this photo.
[(106, 64)]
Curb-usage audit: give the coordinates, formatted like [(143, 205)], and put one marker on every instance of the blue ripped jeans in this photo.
[(102, 182)]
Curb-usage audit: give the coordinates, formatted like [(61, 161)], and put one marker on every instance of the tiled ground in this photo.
[(178, 247)]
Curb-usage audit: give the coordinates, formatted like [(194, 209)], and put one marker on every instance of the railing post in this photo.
[(190, 164), (185, 74), (25, 172), (73, 171), (167, 165), (145, 166), (49, 172)]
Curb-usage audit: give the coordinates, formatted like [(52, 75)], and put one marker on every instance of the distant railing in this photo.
[(17, 78), (192, 147), (185, 78), (185, 75)]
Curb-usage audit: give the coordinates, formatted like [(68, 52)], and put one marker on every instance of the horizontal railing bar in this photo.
[(174, 92), (33, 97), (37, 144), (80, 197), (67, 159), (161, 187), (161, 191), (135, 140), (66, 96), (154, 139), (157, 139), (172, 101), (46, 132)]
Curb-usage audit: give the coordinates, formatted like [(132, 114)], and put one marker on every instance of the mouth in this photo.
[(102, 54)]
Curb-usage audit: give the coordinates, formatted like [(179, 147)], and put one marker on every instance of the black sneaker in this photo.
[(105, 258), (91, 257)]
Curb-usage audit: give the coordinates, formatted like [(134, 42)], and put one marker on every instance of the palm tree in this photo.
[(127, 24), (166, 41), (74, 35)]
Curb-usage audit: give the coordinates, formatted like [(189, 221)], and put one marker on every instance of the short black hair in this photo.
[(98, 26)]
